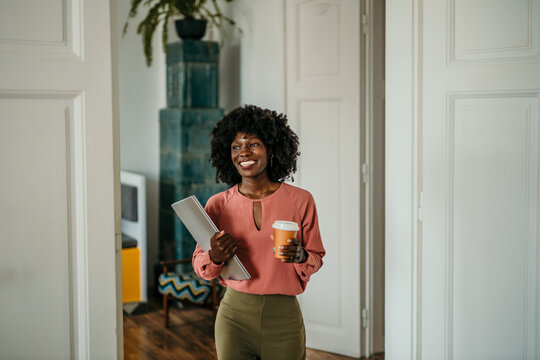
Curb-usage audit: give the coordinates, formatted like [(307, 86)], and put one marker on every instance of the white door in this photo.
[(323, 105), (475, 101), (57, 232)]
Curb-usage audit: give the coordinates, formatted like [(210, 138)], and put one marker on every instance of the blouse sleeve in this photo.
[(204, 267), (312, 243)]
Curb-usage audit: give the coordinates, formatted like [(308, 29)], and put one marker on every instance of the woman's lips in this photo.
[(247, 164)]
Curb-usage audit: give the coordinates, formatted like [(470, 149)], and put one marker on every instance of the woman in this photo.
[(253, 151)]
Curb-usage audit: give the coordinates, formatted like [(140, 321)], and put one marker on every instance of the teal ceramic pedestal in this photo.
[(185, 125)]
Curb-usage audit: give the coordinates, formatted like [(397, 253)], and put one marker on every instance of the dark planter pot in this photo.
[(190, 28)]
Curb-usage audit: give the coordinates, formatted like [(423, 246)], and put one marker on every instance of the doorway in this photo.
[(268, 19)]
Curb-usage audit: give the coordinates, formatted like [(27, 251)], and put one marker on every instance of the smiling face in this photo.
[(249, 156)]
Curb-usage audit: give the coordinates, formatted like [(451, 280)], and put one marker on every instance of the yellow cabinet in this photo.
[(131, 275)]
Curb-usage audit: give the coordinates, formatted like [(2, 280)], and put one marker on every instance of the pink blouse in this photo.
[(233, 212)]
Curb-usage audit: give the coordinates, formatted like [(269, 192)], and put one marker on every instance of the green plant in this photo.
[(162, 11)]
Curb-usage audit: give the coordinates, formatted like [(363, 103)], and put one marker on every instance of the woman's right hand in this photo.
[(223, 247)]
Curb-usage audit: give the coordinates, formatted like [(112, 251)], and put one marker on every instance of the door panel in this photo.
[(36, 133), (492, 178), (52, 29), (487, 31)]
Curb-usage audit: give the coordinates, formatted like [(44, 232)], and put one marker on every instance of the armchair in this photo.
[(187, 287)]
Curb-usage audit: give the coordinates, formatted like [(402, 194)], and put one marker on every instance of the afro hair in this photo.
[(270, 127)]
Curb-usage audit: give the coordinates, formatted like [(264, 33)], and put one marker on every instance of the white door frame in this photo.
[(366, 155), (403, 79), (117, 187)]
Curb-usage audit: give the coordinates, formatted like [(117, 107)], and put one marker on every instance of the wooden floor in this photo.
[(190, 336)]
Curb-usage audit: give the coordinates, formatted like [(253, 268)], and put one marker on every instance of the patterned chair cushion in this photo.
[(188, 287)]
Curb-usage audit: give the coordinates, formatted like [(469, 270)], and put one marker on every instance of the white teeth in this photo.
[(247, 163)]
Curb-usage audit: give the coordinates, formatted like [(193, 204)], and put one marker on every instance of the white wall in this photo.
[(142, 93)]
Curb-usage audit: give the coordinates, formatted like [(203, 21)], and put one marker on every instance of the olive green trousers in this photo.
[(265, 327)]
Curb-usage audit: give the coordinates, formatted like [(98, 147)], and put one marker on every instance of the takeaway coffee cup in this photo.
[(283, 231)]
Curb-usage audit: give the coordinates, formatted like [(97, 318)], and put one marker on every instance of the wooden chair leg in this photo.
[(165, 304), (165, 311)]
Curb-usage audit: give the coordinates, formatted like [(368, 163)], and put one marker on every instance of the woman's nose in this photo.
[(244, 151)]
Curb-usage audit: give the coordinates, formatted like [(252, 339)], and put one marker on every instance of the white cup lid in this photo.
[(285, 225)]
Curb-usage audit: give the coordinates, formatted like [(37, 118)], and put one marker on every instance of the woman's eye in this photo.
[(235, 147), (254, 145)]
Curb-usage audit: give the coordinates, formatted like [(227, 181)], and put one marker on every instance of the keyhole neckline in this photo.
[(257, 206)]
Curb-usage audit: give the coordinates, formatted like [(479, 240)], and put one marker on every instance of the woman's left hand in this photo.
[(294, 252)]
